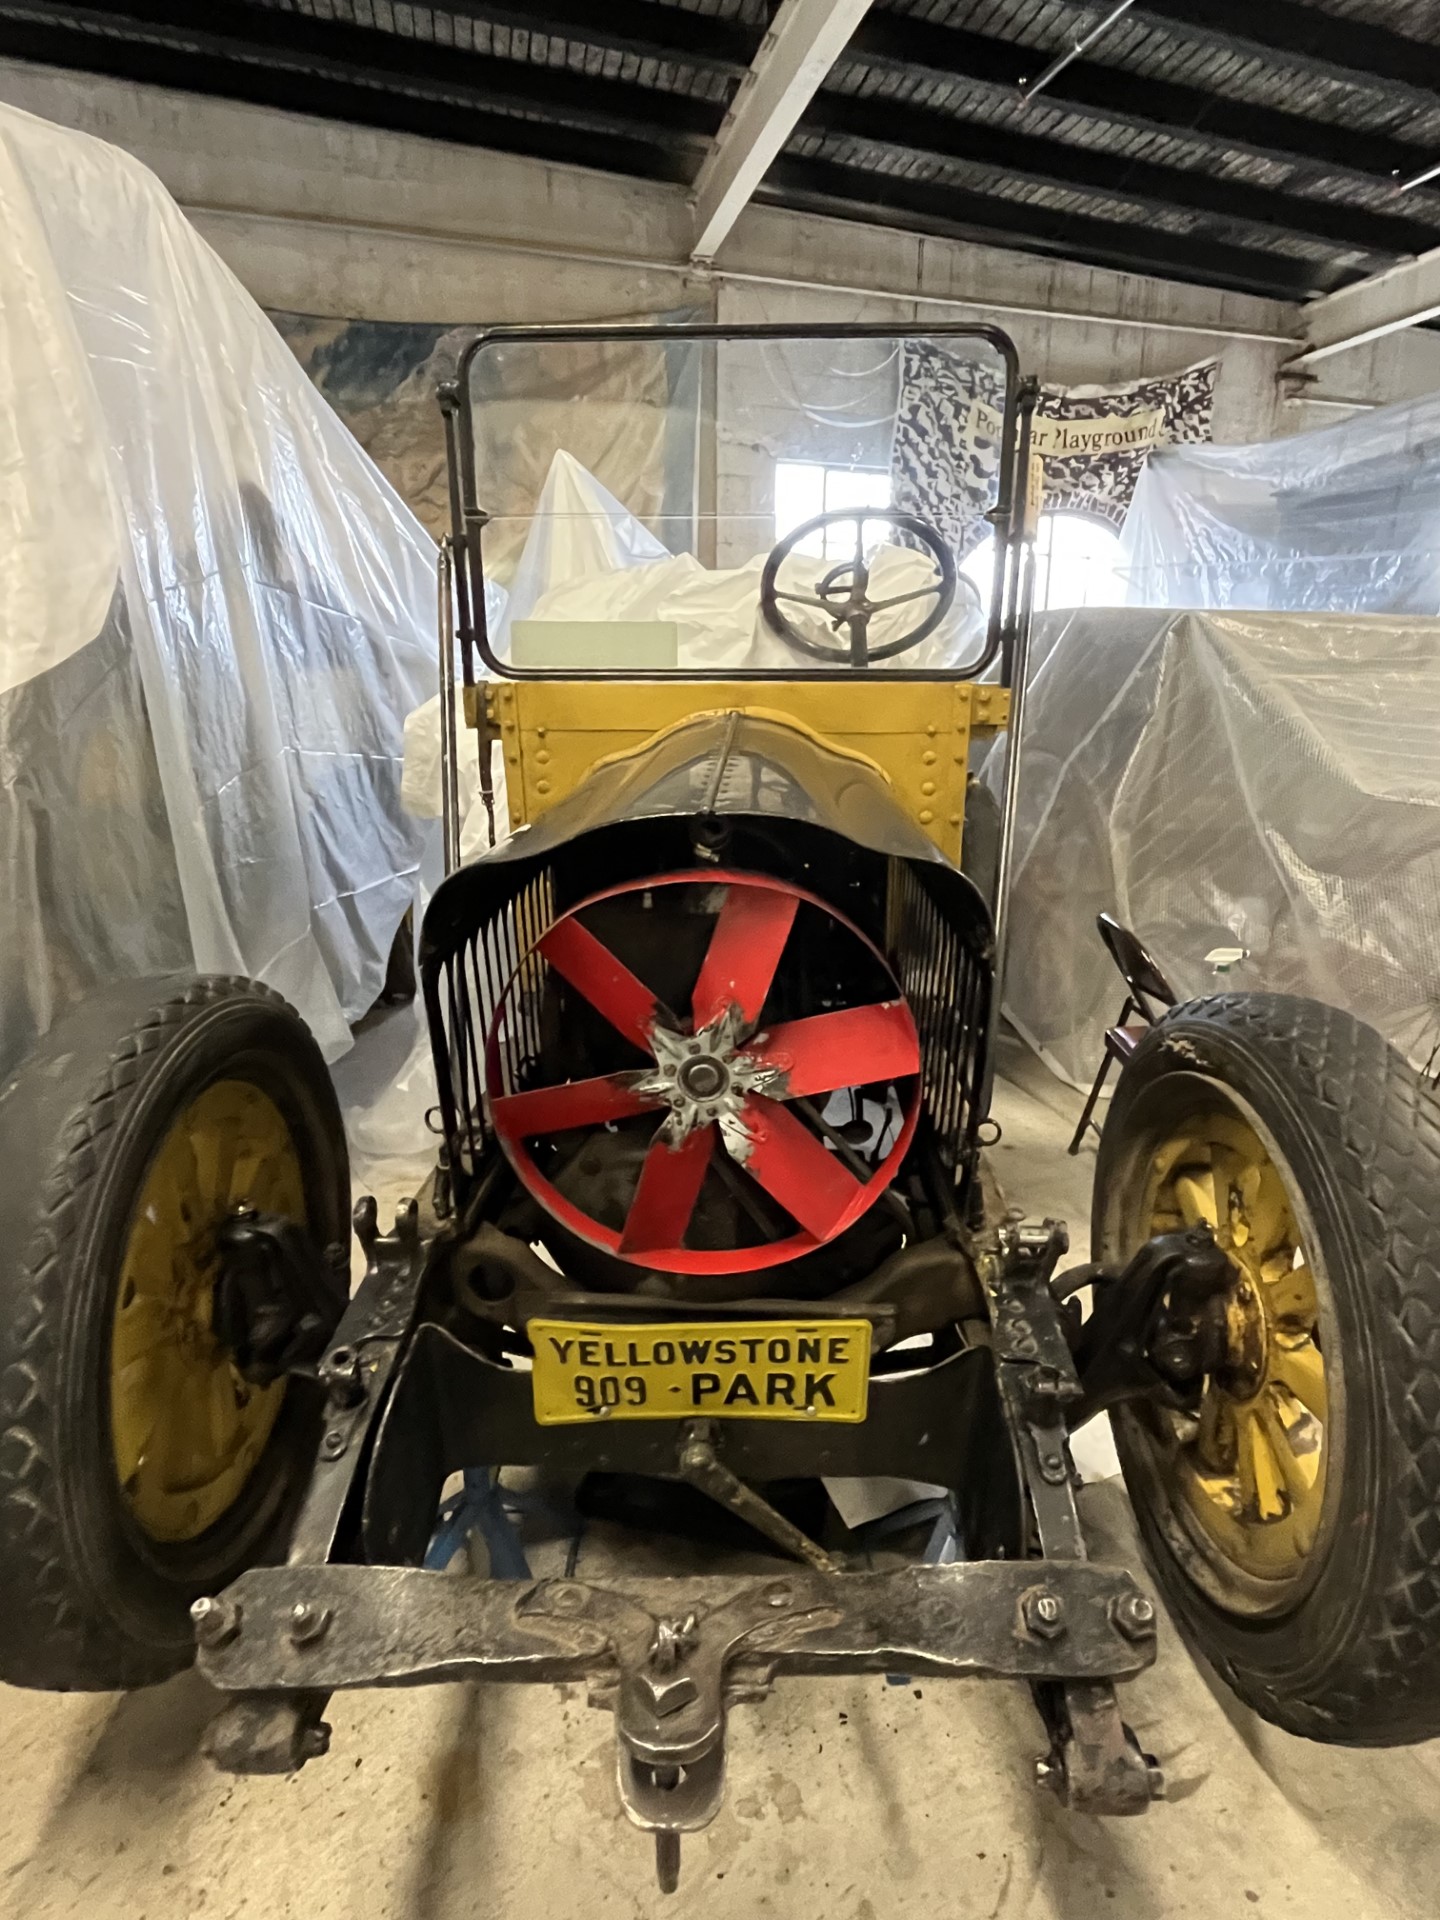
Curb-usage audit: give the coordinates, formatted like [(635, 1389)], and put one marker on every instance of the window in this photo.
[(1076, 563), (804, 489)]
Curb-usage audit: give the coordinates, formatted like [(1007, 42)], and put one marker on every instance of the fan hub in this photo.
[(703, 1077)]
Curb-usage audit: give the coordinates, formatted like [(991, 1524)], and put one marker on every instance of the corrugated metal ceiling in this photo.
[(1254, 146)]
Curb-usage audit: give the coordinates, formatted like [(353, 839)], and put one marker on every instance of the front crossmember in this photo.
[(669, 1657)]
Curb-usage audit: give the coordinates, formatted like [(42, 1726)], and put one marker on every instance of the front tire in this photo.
[(138, 1468), (1294, 1520)]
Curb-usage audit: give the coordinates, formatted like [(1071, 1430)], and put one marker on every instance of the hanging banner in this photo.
[(1093, 441)]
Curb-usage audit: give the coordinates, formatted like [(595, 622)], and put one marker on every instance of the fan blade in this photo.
[(599, 977), (851, 1048), (786, 1159), (744, 951), (577, 1103), (670, 1182)]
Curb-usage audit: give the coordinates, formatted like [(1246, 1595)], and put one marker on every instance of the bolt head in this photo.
[(341, 1376), (1135, 1616), (1044, 1614), (308, 1622), (216, 1621), (567, 1599)]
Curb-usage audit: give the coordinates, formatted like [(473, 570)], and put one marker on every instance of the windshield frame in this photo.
[(1010, 596)]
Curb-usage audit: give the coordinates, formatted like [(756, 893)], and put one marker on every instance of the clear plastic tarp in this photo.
[(1262, 782), (1345, 519), (215, 615)]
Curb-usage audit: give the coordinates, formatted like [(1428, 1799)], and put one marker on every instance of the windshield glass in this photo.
[(701, 505)]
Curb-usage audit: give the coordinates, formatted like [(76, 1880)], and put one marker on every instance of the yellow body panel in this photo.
[(917, 733)]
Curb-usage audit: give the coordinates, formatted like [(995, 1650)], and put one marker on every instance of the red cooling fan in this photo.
[(721, 1085)]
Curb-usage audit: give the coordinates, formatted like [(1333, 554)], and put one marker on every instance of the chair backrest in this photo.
[(1139, 972)]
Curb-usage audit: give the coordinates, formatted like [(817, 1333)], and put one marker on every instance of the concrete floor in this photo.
[(849, 1800)]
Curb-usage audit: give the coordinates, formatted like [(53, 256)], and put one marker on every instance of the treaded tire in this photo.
[(86, 1599), (1356, 1658)]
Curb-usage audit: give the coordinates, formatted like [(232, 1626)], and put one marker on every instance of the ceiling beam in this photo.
[(1151, 105), (1332, 46), (1343, 48), (644, 28), (653, 31), (933, 132), (805, 39), (927, 206), (1403, 296), (254, 53)]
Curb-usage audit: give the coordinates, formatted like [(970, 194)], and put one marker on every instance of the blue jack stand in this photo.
[(479, 1507)]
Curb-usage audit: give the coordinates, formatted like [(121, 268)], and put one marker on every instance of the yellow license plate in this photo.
[(726, 1369)]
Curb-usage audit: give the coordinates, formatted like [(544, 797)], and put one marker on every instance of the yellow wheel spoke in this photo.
[(211, 1152), (145, 1324), (1195, 1196), (248, 1178), (1290, 1293), (132, 1443), (1260, 1483), (1230, 1177), (150, 1259), (225, 1423), (1179, 1153), (263, 1181), (1269, 1212), (1282, 1449), (184, 1449), (1215, 1442), (190, 1181), (1301, 1368)]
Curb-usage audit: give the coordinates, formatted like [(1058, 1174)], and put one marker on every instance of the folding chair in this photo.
[(1145, 983)]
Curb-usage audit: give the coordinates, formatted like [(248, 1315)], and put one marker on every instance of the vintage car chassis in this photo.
[(408, 1404)]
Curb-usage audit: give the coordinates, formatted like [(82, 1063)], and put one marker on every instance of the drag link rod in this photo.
[(702, 1467)]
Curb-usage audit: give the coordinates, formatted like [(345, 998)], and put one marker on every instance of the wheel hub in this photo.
[(1247, 1337)]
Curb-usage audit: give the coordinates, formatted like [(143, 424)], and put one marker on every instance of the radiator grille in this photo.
[(462, 990), (944, 967)]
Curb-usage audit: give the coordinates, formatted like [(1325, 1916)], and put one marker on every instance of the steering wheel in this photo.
[(843, 593)]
